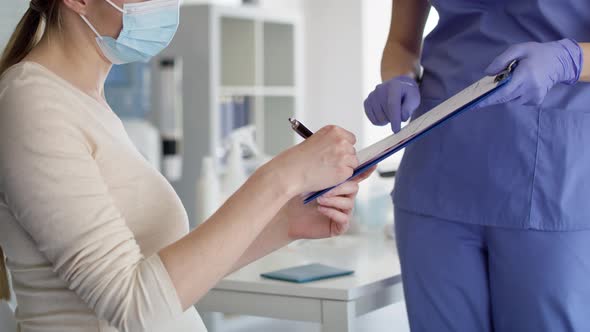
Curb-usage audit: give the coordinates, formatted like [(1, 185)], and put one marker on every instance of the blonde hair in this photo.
[(4, 286), (29, 30)]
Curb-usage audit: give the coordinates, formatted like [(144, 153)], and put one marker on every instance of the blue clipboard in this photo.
[(417, 128)]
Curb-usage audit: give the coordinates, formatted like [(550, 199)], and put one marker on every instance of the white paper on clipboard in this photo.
[(427, 120), (462, 101)]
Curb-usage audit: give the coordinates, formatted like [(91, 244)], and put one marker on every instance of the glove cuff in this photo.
[(575, 57)]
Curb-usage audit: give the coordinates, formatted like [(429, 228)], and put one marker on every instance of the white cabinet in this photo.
[(230, 52)]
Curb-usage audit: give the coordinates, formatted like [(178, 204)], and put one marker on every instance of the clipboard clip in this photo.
[(506, 72)]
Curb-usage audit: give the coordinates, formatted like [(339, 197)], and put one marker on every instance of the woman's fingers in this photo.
[(339, 220), (338, 229), (335, 215), (347, 188), (350, 187), (338, 204), (343, 203), (329, 152)]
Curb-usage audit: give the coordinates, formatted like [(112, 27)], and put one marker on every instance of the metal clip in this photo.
[(502, 75)]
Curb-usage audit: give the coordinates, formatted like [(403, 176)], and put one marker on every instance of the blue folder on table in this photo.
[(462, 101)]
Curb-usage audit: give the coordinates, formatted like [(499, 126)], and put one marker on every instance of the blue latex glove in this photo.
[(540, 67), (392, 102)]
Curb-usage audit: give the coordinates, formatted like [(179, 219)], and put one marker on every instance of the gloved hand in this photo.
[(540, 67), (392, 102)]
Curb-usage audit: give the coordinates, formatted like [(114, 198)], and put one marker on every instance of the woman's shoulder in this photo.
[(30, 92), (27, 84), (33, 105)]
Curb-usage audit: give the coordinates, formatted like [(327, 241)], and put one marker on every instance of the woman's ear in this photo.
[(78, 6)]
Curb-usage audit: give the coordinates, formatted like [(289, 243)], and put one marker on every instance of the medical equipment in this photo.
[(235, 174), (241, 157), (128, 90), (170, 113), (251, 154)]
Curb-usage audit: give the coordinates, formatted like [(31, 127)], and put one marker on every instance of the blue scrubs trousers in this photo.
[(469, 277)]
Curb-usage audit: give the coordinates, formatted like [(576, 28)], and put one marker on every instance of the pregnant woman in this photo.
[(95, 238)]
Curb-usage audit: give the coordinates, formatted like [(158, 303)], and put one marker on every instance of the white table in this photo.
[(334, 303)]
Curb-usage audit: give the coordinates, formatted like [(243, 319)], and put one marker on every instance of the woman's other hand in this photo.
[(328, 216), (392, 102), (540, 67), (325, 159)]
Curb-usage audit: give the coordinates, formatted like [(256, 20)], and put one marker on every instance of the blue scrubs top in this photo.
[(506, 165)]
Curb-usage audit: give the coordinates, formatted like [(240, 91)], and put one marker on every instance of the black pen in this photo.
[(300, 128)]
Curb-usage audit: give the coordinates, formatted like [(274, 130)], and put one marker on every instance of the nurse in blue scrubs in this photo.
[(492, 209)]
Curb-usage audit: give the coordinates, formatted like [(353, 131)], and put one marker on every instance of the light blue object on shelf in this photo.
[(234, 114), (127, 90)]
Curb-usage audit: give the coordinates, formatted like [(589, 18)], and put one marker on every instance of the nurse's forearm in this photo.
[(398, 61), (199, 260), (402, 51), (585, 75)]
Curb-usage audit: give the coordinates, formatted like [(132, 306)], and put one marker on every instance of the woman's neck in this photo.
[(75, 57)]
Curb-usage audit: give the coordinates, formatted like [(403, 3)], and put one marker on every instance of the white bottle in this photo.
[(235, 175), (208, 190)]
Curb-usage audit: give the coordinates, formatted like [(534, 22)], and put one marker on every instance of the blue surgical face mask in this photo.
[(148, 27)]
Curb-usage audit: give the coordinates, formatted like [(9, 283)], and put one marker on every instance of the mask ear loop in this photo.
[(90, 26), (115, 6)]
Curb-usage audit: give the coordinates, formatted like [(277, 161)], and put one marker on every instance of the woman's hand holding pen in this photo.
[(330, 214), (325, 159)]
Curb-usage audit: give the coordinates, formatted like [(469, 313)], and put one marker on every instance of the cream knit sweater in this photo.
[(82, 214)]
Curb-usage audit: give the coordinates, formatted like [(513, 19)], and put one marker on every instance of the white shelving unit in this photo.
[(258, 59), (234, 52)]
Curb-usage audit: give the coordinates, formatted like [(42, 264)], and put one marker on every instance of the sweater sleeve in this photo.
[(55, 189)]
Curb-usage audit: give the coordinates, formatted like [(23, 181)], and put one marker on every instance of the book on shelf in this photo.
[(235, 113)]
